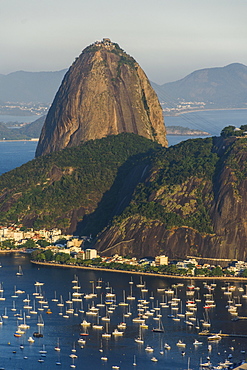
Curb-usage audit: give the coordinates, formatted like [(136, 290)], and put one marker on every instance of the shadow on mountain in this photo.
[(117, 198)]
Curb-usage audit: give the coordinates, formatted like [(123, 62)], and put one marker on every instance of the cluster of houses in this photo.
[(75, 246), (182, 106)]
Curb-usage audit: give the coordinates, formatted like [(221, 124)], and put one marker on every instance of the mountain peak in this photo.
[(105, 92)]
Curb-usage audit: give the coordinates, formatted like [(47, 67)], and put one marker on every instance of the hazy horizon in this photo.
[(168, 39), (157, 83)]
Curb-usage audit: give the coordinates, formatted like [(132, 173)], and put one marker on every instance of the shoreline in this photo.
[(32, 140), (201, 110), (228, 278)]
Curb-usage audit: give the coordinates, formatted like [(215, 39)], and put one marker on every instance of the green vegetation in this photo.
[(235, 159), (181, 130), (8, 244), (48, 188), (172, 172), (27, 132), (171, 269), (98, 183), (229, 131)]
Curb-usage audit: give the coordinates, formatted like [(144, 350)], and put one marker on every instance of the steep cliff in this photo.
[(105, 92), (192, 203)]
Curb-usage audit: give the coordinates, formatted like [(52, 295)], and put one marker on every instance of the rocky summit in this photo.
[(105, 92)]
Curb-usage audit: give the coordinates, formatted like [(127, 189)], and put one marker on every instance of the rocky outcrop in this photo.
[(198, 215), (105, 92)]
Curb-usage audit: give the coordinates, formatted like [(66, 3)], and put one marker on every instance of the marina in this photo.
[(115, 318)]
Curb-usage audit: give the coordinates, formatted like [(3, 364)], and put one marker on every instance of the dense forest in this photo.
[(44, 191), (158, 198)]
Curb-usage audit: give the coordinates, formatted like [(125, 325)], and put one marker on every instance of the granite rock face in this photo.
[(105, 92), (221, 198)]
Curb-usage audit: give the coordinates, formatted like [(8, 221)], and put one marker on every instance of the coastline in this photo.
[(201, 110), (227, 278), (33, 140)]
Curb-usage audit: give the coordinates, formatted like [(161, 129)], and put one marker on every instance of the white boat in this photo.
[(85, 323), (43, 350), (134, 361), (30, 340), (141, 284), (160, 328), (57, 347), (116, 332), (123, 303), (37, 283), (167, 346), (19, 272), (106, 335), (122, 325), (24, 325), (130, 296), (5, 315), (214, 337), (61, 303), (2, 298), (197, 342), (55, 297), (97, 325), (139, 339), (154, 359), (180, 343), (149, 349), (13, 307), (206, 364), (33, 311)]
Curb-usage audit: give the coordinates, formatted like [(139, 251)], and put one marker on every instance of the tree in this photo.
[(43, 243), (244, 273), (217, 271), (243, 127), (29, 244), (228, 131), (49, 255), (8, 244)]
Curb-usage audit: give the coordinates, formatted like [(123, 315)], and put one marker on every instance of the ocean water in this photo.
[(212, 121), (20, 119), (14, 154), (18, 353)]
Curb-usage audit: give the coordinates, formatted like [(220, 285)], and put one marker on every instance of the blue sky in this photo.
[(168, 38)]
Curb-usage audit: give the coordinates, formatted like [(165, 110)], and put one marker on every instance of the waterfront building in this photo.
[(90, 254), (161, 260)]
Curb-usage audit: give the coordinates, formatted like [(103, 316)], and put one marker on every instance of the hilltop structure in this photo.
[(105, 92)]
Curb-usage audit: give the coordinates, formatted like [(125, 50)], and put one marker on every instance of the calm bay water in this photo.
[(210, 121), (20, 119), (121, 350), (15, 153)]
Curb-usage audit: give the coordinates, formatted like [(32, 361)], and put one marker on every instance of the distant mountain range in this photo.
[(221, 87), (35, 87)]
